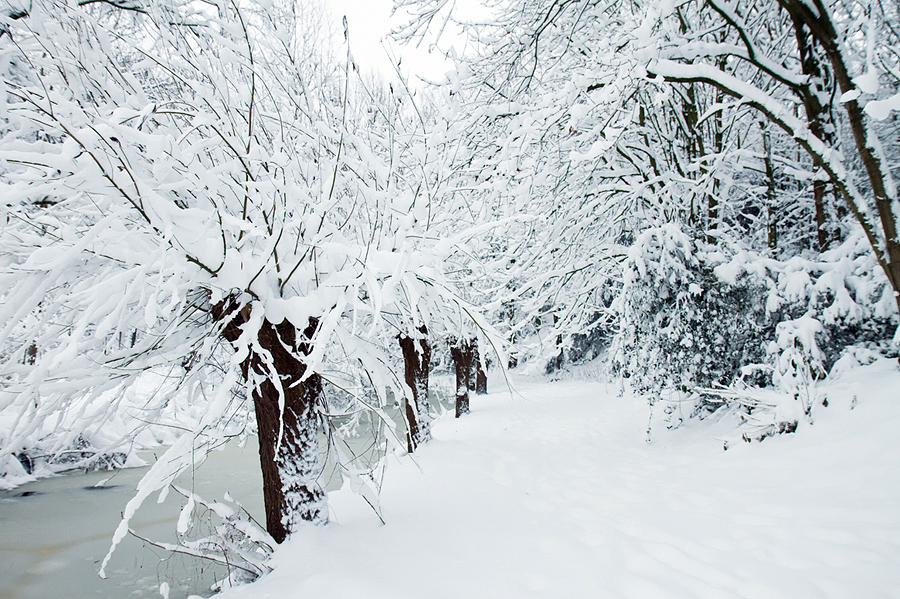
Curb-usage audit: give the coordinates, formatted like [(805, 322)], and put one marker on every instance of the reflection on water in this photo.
[(54, 532)]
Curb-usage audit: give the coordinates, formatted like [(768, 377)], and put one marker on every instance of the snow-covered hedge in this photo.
[(680, 326), (702, 320)]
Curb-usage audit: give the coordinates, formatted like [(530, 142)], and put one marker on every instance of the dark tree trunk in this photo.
[(556, 362), (31, 353), (816, 19), (417, 363), (412, 424), (818, 115), (712, 199), (772, 214), (288, 437), (478, 374), (480, 378), (290, 465), (462, 354)]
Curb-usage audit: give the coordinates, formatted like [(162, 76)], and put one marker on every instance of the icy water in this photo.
[(55, 532)]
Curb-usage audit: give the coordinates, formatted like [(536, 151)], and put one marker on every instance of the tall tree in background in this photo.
[(578, 154), (838, 61), (536, 117), (565, 126)]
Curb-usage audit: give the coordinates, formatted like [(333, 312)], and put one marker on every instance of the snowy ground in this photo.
[(557, 494)]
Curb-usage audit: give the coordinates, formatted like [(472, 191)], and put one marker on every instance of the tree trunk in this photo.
[(818, 115), (416, 366), (480, 378), (816, 18), (288, 435), (480, 381), (478, 375), (461, 352), (290, 464), (712, 199), (771, 200), (555, 363), (31, 353)]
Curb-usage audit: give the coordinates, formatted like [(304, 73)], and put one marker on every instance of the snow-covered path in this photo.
[(557, 494)]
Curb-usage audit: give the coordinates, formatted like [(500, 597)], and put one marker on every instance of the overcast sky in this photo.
[(370, 24)]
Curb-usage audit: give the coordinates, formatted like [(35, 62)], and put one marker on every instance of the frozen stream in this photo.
[(54, 532)]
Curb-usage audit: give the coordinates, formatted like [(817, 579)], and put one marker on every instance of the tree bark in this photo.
[(771, 201), (287, 422), (555, 363), (818, 115), (417, 363), (288, 437), (480, 378), (478, 374), (712, 199), (461, 352), (31, 353)]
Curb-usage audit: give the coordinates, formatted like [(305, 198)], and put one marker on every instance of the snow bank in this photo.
[(555, 493)]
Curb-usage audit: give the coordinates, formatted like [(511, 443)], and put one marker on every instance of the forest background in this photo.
[(215, 224)]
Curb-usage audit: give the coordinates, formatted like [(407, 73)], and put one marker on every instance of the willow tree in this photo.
[(186, 190)]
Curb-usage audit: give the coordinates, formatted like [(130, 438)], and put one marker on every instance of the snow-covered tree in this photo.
[(831, 62), (183, 191), (538, 107)]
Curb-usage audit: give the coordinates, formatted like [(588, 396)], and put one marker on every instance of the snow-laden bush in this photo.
[(711, 324), (844, 290), (680, 326)]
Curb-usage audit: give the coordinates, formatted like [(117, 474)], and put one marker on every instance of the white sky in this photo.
[(370, 24)]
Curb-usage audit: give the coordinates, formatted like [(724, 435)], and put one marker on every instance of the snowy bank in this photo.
[(556, 493)]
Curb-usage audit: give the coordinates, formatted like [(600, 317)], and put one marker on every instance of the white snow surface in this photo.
[(555, 492)]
